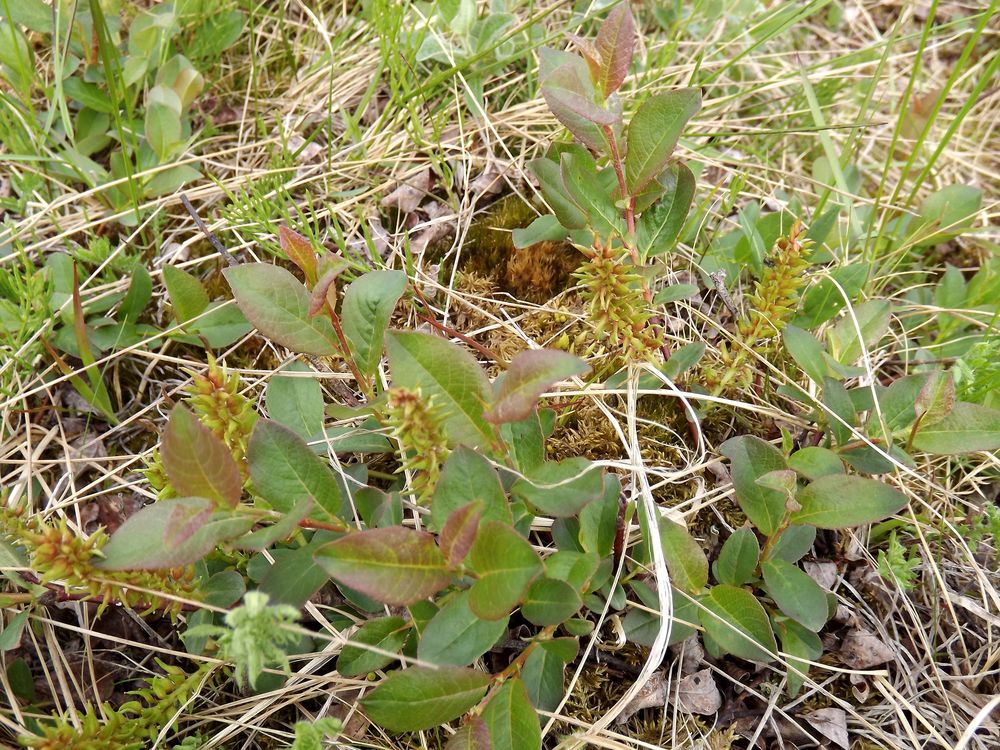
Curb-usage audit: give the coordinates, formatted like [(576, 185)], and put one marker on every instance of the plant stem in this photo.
[(616, 162)]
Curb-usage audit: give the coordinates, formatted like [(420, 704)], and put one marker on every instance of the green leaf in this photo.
[(170, 534), (506, 565), (686, 560), (615, 43), (89, 95), (294, 577), (797, 641), (807, 352), (528, 376), (525, 442), (839, 502), (511, 719), (873, 322), (450, 376), (798, 595), (823, 300), (394, 565), (950, 210), (459, 532), (837, 399), (543, 670), (163, 121), (751, 459), (654, 131), (197, 462), (737, 622), (544, 228), (455, 636), (575, 568), (140, 291), (223, 589), (296, 402), (795, 541), (187, 294), (966, 429), (467, 477), (599, 519), (550, 602), (368, 305), (419, 698), (814, 462), (673, 293), (550, 182), (660, 226), (897, 404), (583, 184), (278, 305), (10, 636), (561, 488), (737, 561), (286, 472)]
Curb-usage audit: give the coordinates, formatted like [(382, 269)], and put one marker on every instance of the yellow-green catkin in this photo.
[(768, 310), (417, 429), (136, 724), (616, 303), (59, 556)]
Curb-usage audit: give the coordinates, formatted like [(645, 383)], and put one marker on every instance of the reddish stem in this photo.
[(452, 332)]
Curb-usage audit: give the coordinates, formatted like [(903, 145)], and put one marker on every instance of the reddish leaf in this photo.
[(473, 736), (530, 374), (197, 462), (567, 95), (324, 291), (169, 534), (299, 250), (615, 44), (394, 565), (459, 531)]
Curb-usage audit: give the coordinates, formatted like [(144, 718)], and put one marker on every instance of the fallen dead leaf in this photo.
[(831, 723), (861, 649), (410, 193), (824, 573), (698, 694), (652, 695)]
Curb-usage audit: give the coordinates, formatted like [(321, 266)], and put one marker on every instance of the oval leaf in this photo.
[(385, 633), (274, 301), (615, 43), (506, 565), (529, 375), (965, 429), (197, 462), (838, 502), (447, 374), (686, 559), (368, 305), (798, 595), (561, 488), (455, 636), (170, 534), (287, 473), (473, 736), (661, 224), (511, 719), (422, 698), (751, 459), (737, 622), (738, 558), (393, 565), (550, 602), (654, 131)]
